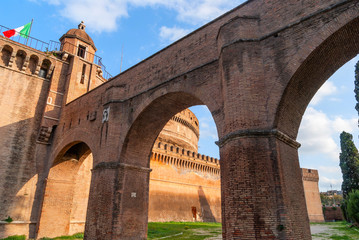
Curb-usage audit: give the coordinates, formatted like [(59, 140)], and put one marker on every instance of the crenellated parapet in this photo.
[(182, 158)]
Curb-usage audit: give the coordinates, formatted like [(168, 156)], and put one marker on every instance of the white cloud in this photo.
[(327, 89), (318, 133), (347, 125), (208, 129), (99, 15), (172, 34), (205, 10), (104, 15), (329, 183), (329, 169)]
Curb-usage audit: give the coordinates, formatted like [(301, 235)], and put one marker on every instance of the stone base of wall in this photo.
[(16, 228), (316, 218)]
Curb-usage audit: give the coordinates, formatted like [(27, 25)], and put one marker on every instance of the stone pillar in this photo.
[(118, 202), (262, 190)]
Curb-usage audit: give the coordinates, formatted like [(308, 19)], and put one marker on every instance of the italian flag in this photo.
[(23, 31)]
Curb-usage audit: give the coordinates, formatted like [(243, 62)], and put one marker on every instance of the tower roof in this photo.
[(80, 34)]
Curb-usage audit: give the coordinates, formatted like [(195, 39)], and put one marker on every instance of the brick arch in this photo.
[(67, 191), (319, 65), (134, 157), (150, 122)]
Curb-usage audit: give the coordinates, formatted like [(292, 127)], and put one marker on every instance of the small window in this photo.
[(81, 52)]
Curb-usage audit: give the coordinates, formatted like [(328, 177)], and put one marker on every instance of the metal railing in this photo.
[(81, 52), (56, 46), (30, 41)]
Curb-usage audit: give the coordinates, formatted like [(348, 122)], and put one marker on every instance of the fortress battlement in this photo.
[(183, 158)]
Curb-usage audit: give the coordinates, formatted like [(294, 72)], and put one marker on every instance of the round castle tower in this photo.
[(182, 130)]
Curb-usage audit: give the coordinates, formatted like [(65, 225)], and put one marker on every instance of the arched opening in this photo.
[(6, 53), (299, 110), (67, 189), (44, 69), (173, 190), (33, 62), (20, 59)]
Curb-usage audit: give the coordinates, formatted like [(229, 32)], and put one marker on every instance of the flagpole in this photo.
[(32, 20)]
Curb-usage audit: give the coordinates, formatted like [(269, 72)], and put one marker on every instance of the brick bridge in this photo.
[(256, 68)]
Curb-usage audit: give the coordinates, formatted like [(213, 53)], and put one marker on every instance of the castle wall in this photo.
[(312, 197), (33, 91), (182, 130), (183, 187), (25, 78)]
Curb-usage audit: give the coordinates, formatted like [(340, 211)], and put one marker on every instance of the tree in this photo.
[(349, 163), (356, 88), (353, 206)]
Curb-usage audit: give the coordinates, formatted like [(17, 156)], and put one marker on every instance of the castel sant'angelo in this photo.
[(44, 198)]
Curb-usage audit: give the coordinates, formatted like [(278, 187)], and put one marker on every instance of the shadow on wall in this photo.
[(207, 215)]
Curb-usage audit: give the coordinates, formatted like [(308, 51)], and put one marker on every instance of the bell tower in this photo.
[(84, 72)]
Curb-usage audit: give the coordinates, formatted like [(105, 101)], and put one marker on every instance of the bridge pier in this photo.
[(123, 189), (262, 192)]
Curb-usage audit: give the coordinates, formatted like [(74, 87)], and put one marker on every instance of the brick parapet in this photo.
[(310, 175)]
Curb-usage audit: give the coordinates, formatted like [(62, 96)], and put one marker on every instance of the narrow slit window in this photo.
[(83, 74)]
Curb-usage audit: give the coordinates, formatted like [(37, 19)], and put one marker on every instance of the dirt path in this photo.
[(315, 229)]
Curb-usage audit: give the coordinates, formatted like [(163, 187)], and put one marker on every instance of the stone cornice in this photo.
[(257, 133)]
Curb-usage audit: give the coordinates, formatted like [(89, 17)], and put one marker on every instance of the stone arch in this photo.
[(67, 190), (330, 55), (6, 53), (20, 59)]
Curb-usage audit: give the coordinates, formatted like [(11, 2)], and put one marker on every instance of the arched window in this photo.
[(6, 55), (20, 59), (33, 62), (44, 69)]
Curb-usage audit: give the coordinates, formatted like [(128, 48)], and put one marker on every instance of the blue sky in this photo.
[(143, 27)]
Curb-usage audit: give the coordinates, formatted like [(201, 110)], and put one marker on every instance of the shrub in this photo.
[(8, 219), (343, 206), (353, 206)]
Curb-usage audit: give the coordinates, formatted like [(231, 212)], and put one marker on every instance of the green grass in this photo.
[(342, 231), (15, 237), (75, 236), (183, 230)]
